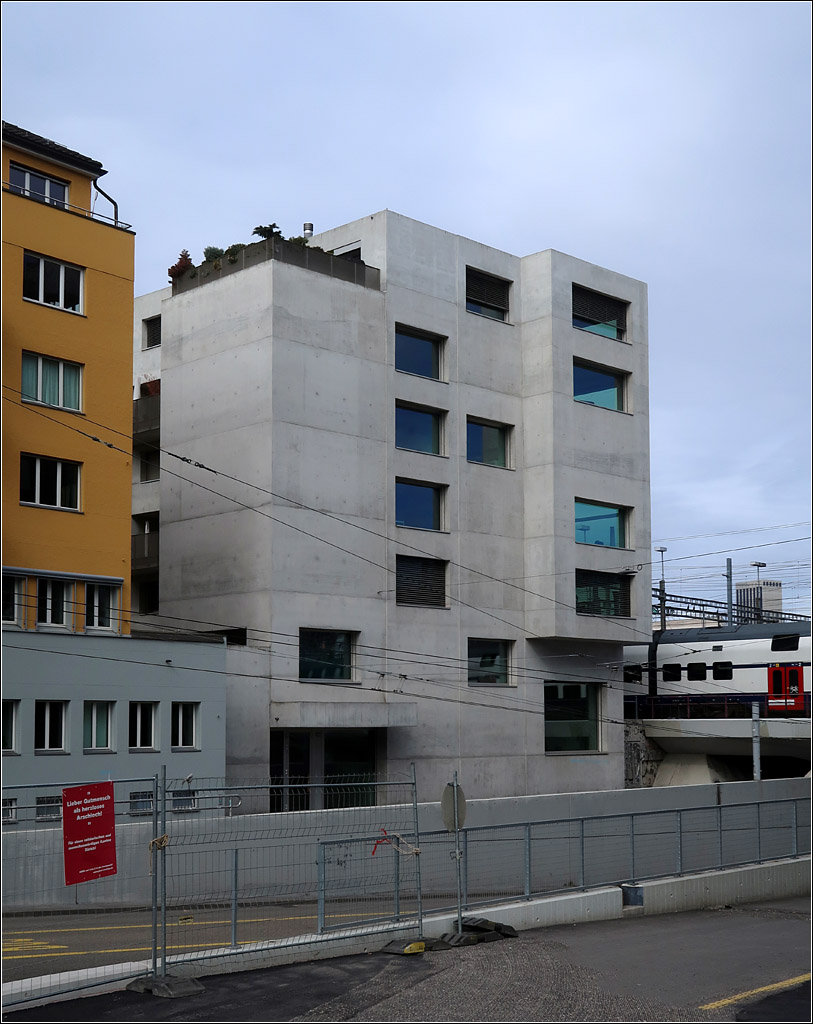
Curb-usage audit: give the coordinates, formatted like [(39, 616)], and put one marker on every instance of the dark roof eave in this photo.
[(40, 146)]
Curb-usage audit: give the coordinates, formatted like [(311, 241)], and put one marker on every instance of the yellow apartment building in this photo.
[(67, 378)]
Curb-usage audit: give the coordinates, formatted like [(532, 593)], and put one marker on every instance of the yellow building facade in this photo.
[(67, 378)]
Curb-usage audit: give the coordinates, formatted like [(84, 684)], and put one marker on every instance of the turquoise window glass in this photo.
[(603, 525)]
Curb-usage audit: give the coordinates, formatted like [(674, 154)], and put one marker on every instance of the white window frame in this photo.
[(9, 810), (46, 585), (50, 707), (141, 705), (92, 594), (143, 796), (16, 584), (39, 400), (11, 711), (39, 459), (146, 346), (97, 708), (49, 180), (184, 801), (179, 708), (62, 268), (48, 801)]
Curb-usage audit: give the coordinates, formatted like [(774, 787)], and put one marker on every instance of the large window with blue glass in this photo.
[(604, 525), (418, 352), (418, 429), (594, 385), (487, 443), (418, 505), (599, 314)]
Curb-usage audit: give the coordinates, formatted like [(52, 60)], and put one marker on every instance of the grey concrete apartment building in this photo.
[(415, 469)]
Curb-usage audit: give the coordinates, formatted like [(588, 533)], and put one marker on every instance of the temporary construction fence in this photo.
[(199, 878)]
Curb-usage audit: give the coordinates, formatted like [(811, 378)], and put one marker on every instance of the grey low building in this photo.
[(80, 708), (415, 470)]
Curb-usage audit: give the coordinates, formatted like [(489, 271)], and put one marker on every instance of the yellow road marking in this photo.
[(755, 992), (134, 949), (16, 945), (202, 922)]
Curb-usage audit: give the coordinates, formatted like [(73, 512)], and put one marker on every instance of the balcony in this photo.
[(353, 271), (145, 549), (147, 419)]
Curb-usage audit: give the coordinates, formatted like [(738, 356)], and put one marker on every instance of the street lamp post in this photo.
[(662, 589)]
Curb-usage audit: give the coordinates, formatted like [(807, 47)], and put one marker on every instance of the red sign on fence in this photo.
[(88, 832)]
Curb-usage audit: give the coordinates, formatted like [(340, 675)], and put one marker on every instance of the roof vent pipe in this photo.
[(307, 230)]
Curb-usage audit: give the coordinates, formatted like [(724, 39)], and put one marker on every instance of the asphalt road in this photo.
[(712, 965)]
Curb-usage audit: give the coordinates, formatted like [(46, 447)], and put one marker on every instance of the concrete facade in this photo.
[(284, 381)]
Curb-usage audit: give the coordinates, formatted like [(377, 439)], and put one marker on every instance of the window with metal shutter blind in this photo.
[(420, 581), (602, 593), (153, 329), (599, 314), (486, 295)]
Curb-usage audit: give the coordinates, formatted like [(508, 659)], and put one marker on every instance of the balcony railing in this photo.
[(353, 271), (145, 550), (146, 415), (716, 612), (80, 211)]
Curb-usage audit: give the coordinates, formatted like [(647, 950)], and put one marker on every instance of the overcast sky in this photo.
[(667, 141)]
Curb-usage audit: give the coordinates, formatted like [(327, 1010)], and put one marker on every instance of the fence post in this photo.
[(154, 879), (794, 849), (759, 834), (679, 842), (465, 868), (163, 861), (234, 884), (397, 881), (528, 861), (419, 893), (632, 846), (581, 853), (720, 834), (320, 888)]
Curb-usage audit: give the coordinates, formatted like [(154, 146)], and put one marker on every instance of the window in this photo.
[(488, 662), (12, 599), (152, 332), (49, 725), (599, 314), (150, 466), (571, 716), (10, 710), (418, 429), (54, 602), (671, 673), (97, 731), (325, 654), (487, 295), (418, 352), (49, 482), (722, 670), (141, 802), (418, 505), (594, 385), (142, 725), (185, 800), (487, 443), (49, 808), (420, 582), (9, 810), (604, 525), (185, 725), (51, 381), (785, 642), (602, 593), (696, 671), (52, 283), (37, 186), (101, 605)]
